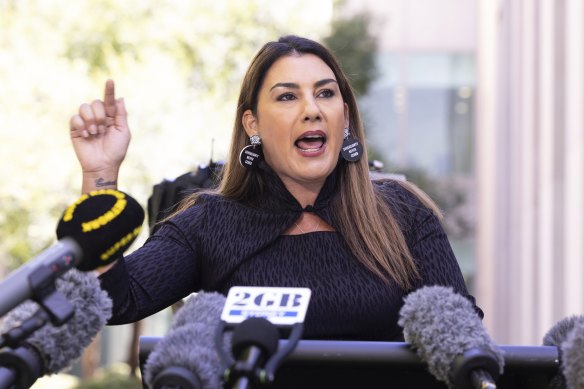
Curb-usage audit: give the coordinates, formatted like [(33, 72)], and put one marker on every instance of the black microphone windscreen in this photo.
[(61, 346), (442, 325), (104, 223), (190, 342)]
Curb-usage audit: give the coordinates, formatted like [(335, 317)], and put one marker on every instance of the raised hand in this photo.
[(100, 136)]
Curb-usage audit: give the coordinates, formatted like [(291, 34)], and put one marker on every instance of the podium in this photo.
[(358, 364)]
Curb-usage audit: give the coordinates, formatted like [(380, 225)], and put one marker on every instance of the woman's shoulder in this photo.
[(214, 208), (405, 198), (399, 192), (204, 203)]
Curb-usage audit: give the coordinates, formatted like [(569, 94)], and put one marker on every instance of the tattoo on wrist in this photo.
[(101, 182)]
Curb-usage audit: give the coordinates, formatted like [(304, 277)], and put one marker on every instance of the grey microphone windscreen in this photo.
[(559, 332), (573, 357), (190, 342), (61, 346), (441, 325), (567, 335), (191, 347), (203, 304)]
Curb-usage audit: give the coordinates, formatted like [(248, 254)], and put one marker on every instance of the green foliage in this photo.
[(20, 239), (14, 222), (355, 46), (111, 379)]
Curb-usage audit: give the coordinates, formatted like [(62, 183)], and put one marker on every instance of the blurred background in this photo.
[(479, 102)]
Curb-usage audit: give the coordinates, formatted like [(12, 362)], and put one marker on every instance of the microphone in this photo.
[(450, 338), (195, 352), (51, 349), (568, 336), (186, 357), (258, 315), (94, 231), (254, 342), (573, 359)]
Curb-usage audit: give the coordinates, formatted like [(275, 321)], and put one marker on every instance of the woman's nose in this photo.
[(311, 110)]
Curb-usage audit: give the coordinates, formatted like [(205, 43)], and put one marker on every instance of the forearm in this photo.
[(151, 278)]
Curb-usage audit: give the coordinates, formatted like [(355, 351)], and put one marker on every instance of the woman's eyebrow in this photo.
[(293, 85)]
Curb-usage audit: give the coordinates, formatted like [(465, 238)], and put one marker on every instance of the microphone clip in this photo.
[(42, 284), (54, 307)]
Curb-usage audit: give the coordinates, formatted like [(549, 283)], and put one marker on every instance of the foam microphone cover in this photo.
[(568, 336), (190, 342), (201, 305), (442, 325), (573, 357), (104, 223), (60, 346)]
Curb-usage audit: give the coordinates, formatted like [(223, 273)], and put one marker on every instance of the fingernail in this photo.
[(92, 129)]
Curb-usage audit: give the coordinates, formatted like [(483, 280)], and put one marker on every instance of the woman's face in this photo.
[(300, 119)]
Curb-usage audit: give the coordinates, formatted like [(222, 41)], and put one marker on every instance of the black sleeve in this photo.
[(435, 258), (427, 241), (153, 277)]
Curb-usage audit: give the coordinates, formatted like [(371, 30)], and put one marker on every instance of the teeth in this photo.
[(311, 143), (310, 150)]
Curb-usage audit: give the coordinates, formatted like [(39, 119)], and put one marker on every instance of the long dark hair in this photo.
[(362, 216)]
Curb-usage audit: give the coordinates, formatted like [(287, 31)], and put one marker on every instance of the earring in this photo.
[(251, 155), (352, 149)]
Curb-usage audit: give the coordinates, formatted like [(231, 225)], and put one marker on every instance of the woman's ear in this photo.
[(250, 123)]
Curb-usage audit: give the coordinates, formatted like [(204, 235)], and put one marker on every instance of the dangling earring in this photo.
[(352, 149), (251, 155)]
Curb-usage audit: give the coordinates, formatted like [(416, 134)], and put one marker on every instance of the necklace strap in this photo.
[(304, 232)]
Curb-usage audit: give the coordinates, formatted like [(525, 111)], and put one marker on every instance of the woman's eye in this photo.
[(326, 93), (286, 97)]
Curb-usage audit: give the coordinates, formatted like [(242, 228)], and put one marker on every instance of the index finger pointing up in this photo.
[(109, 99)]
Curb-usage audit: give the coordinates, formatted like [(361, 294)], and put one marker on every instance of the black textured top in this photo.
[(220, 243)]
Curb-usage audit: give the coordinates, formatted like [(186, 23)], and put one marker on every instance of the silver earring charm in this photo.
[(352, 149), (251, 155)]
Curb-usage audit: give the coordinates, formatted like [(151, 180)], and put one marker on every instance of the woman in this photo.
[(295, 207)]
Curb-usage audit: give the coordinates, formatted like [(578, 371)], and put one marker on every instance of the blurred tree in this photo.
[(355, 45), (14, 222), (21, 241)]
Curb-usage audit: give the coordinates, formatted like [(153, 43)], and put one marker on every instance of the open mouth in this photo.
[(310, 143)]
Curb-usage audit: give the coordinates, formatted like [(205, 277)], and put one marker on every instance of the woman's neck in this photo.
[(304, 193)]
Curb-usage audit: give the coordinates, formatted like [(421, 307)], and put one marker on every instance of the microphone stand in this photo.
[(241, 374), (7, 377), (477, 368), (21, 366)]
